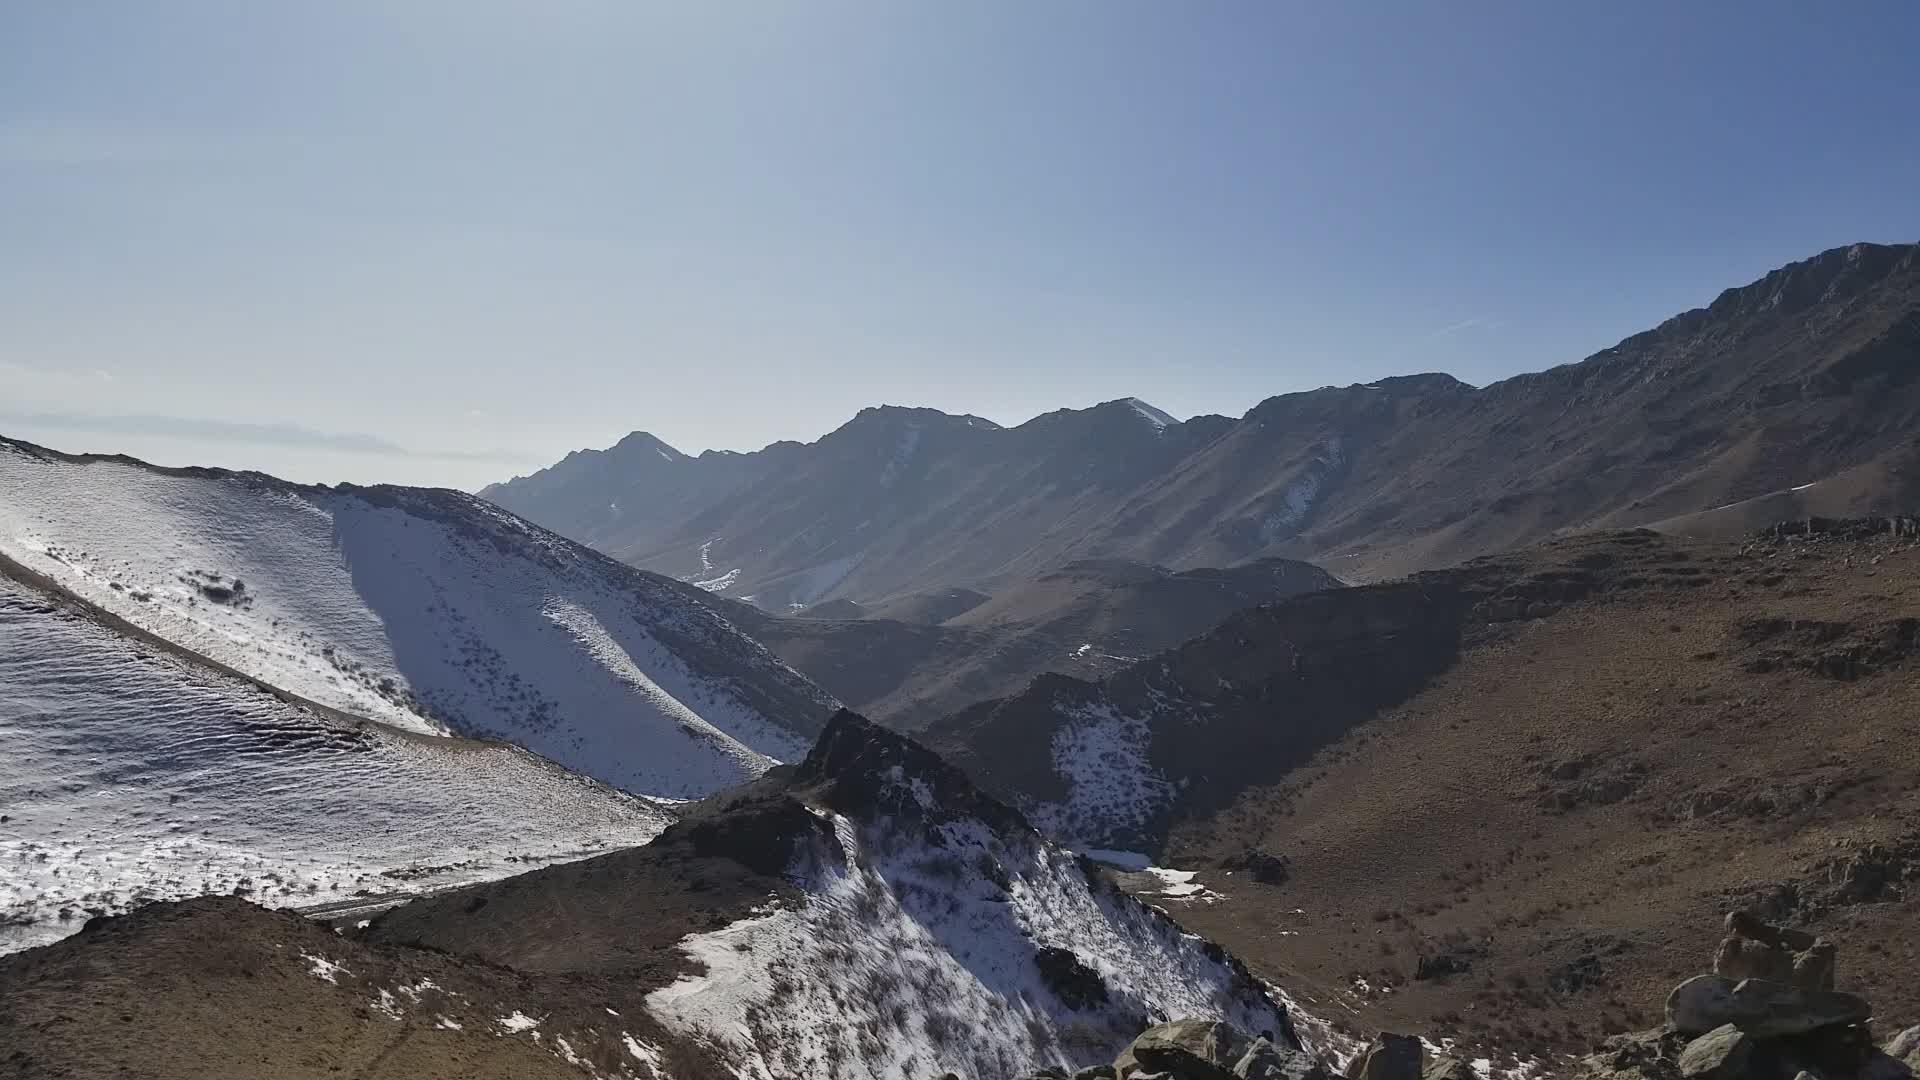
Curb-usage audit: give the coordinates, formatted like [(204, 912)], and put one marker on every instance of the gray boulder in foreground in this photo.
[(1763, 1009), (1721, 1054), (1186, 1049)]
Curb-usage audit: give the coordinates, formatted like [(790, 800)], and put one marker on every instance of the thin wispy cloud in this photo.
[(15, 373), (1487, 322), (282, 435)]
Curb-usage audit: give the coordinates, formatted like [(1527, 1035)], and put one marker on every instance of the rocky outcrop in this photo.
[(1448, 1067), (1186, 1049), (1388, 1057), (1207, 1050), (1905, 1047), (1754, 949), (1769, 1012), (1761, 1008), (1721, 1054), (1264, 867)]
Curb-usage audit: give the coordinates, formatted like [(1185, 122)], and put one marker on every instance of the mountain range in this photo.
[(1406, 706), (1798, 384)]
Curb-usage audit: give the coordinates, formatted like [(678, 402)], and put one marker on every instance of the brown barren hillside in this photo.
[(1542, 839)]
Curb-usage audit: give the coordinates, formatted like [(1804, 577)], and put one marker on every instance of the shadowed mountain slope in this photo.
[(1793, 379)]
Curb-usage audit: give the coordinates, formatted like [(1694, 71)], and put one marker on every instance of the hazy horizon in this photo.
[(446, 244)]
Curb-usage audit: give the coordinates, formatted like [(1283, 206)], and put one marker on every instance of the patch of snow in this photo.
[(1802, 487), (644, 1052), (517, 1022), (1112, 789), (1318, 1037), (805, 588), (1179, 884), (1159, 419), (324, 969), (909, 442), (1087, 652), (1300, 496), (386, 1005), (1162, 883), (720, 583), (446, 1023)]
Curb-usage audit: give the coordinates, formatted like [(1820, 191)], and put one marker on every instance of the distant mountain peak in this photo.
[(873, 414), (642, 444), (1159, 418)]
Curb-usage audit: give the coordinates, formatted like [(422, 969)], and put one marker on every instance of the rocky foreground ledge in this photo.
[(1767, 1011)]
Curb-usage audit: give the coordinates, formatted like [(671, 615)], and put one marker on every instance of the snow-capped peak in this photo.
[(1156, 417)]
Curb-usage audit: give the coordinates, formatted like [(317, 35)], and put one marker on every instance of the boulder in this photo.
[(1266, 867), (1840, 1050), (1743, 958), (1813, 969), (1096, 1072), (1763, 1009), (1448, 1067), (1754, 949), (1186, 1049), (1265, 1061), (1077, 985), (1905, 1044), (1725, 1053), (1747, 925), (1388, 1057)]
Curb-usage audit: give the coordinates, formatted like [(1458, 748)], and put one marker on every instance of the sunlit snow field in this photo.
[(130, 774), (424, 610)]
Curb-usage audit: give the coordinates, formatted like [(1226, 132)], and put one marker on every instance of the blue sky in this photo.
[(446, 242)]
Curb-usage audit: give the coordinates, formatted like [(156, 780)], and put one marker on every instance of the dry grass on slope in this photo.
[(1539, 843)]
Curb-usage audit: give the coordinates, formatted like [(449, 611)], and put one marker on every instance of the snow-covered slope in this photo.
[(431, 611), (939, 933), (870, 915), (131, 774)]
